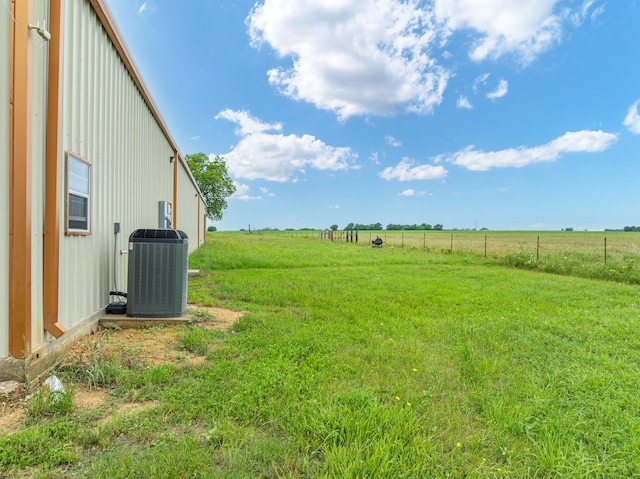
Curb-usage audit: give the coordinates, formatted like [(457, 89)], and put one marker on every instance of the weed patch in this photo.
[(195, 340), (49, 403)]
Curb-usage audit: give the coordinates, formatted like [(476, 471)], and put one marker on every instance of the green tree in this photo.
[(213, 180), (334, 227)]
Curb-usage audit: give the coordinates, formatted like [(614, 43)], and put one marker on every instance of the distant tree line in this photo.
[(414, 227), (359, 227), (389, 227), (626, 228), (268, 229)]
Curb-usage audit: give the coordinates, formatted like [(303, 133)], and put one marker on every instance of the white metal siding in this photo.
[(5, 22), (203, 222), (187, 212), (38, 145), (106, 121)]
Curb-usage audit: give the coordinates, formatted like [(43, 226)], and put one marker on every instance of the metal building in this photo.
[(82, 148)]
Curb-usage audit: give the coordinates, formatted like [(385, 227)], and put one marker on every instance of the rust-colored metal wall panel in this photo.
[(5, 59), (53, 176), (20, 185)]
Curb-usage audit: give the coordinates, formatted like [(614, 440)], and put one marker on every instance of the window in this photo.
[(78, 195)]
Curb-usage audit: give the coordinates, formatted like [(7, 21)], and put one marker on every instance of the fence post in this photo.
[(424, 241), (538, 248), (485, 245), (605, 250), (451, 243), (402, 241), (356, 236)]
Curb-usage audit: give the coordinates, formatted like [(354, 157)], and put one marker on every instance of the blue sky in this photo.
[(504, 114)]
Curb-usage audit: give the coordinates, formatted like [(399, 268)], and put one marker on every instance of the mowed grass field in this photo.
[(355, 362), (612, 255)]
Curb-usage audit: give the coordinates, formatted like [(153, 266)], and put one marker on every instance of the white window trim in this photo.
[(69, 191)]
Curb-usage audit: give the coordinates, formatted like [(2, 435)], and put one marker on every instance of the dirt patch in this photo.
[(90, 399), (221, 318), (11, 416), (132, 347)]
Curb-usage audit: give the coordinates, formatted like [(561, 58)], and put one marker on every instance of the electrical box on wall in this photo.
[(165, 213)]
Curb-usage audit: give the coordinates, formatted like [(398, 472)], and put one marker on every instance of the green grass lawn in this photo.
[(353, 362)]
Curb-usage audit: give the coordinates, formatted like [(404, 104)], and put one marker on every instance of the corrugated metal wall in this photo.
[(203, 221), (5, 23), (106, 122), (38, 143), (187, 212)]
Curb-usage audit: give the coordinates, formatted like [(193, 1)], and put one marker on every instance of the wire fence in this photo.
[(599, 246), (604, 247)]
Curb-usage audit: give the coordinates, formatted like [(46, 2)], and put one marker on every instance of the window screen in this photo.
[(78, 195)]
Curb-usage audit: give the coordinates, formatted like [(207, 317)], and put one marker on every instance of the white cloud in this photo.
[(381, 57), (241, 189), (265, 191), (479, 81), (354, 57), (194, 138), (275, 156), (242, 192), (584, 141), (632, 120), (405, 171), (500, 91), (481, 84), (247, 124), (392, 141), (502, 27), (142, 8), (577, 17), (597, 12), (410, 192), (464, 103)]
